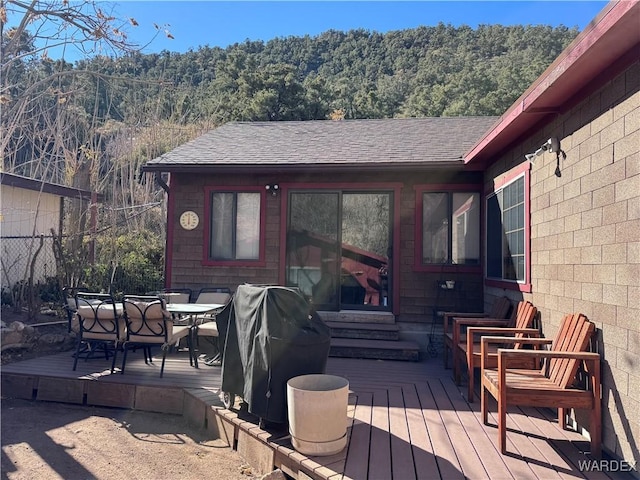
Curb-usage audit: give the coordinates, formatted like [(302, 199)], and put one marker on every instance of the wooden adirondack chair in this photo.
[(520, 326), (552, 386), (499, 310)]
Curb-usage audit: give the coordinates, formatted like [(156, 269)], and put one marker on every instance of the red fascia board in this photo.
[(610, 36)]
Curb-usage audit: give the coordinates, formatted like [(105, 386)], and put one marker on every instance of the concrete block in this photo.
[(627, 274), (628, 231), (18, 386), (159, 399), (194, 410), (628, 189), (61, 390), (627, 146), (104, 394), (256, 453), (614, 253), (591, 255)]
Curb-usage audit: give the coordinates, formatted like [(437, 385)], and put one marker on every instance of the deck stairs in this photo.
[(372, 335)]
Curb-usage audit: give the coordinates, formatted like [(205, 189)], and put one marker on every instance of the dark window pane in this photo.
[(494, 237)]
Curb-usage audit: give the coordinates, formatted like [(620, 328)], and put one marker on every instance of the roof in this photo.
[(27, 183), (610, 43), (409, 142)]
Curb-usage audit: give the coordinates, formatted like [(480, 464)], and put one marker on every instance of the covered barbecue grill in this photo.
[(271, 335)]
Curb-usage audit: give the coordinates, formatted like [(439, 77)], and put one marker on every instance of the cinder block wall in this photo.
[(585, 240)]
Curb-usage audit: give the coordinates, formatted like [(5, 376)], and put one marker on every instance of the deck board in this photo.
[(406, 419)]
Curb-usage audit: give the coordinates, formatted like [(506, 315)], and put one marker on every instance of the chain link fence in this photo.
[(134, 274)]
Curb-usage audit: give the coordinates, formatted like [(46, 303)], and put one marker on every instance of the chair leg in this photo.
[(192, 338), (164, 357), (456, 364), (124, 359), (484, 401), (562, 418), (113, 362), (77, 355), (502, 426), (470, 375)]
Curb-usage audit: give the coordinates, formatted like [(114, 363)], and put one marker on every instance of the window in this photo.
[(506, 232), (450, 227), (235, 226)]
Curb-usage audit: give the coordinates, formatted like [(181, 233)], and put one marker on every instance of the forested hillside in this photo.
[(427, 71)]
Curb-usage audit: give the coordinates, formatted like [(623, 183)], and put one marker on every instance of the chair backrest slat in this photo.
[(500, 308), (526, 313), (574, 335)]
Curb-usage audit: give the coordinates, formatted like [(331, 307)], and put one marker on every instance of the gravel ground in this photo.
[(44, 440)]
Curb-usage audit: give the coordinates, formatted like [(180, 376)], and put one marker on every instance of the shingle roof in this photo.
[(326, 142)]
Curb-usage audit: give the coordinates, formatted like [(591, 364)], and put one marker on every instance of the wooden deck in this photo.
[(408, 420)]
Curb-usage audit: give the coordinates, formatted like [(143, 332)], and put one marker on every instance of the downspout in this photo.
[(168, 244), (162, 183)]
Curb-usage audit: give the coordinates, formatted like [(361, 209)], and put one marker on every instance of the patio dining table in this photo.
[(192, 310)]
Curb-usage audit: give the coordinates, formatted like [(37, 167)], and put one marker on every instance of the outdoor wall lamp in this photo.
[(551, 145), (273, 188)]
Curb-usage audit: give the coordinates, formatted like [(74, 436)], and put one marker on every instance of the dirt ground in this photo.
[(45, 440)]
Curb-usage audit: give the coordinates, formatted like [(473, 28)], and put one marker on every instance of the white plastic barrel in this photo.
[(317, 410)]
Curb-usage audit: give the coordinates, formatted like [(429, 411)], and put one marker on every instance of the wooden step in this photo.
[(374, 349), (371, 331), (358, 316)]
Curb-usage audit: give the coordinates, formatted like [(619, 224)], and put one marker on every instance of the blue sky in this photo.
[(212, 23)]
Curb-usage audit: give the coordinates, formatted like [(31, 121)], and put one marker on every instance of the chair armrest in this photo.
[(485, 341), (472, 331), (446, 316), (505, 330), (586, 356), (459, 322)]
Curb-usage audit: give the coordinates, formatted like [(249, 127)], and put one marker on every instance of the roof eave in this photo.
[(307, 168), (27, 183)]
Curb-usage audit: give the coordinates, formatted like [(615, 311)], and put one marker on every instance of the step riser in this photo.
[(377, 354), (358, 317), (364, 334)]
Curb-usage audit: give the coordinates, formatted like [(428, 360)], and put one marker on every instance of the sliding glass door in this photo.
[(338, 248)]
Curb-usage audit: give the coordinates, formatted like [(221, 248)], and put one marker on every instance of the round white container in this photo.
[(317, 410)]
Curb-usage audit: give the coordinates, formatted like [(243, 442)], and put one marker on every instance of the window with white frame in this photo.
[(235, 226), (506, 247), (450, 228)]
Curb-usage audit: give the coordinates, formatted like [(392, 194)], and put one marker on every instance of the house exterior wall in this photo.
[(585, 240), (21, 211), (418, 292)]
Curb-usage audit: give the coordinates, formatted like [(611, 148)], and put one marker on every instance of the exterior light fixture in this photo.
[(273, 188), (551, 145)]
